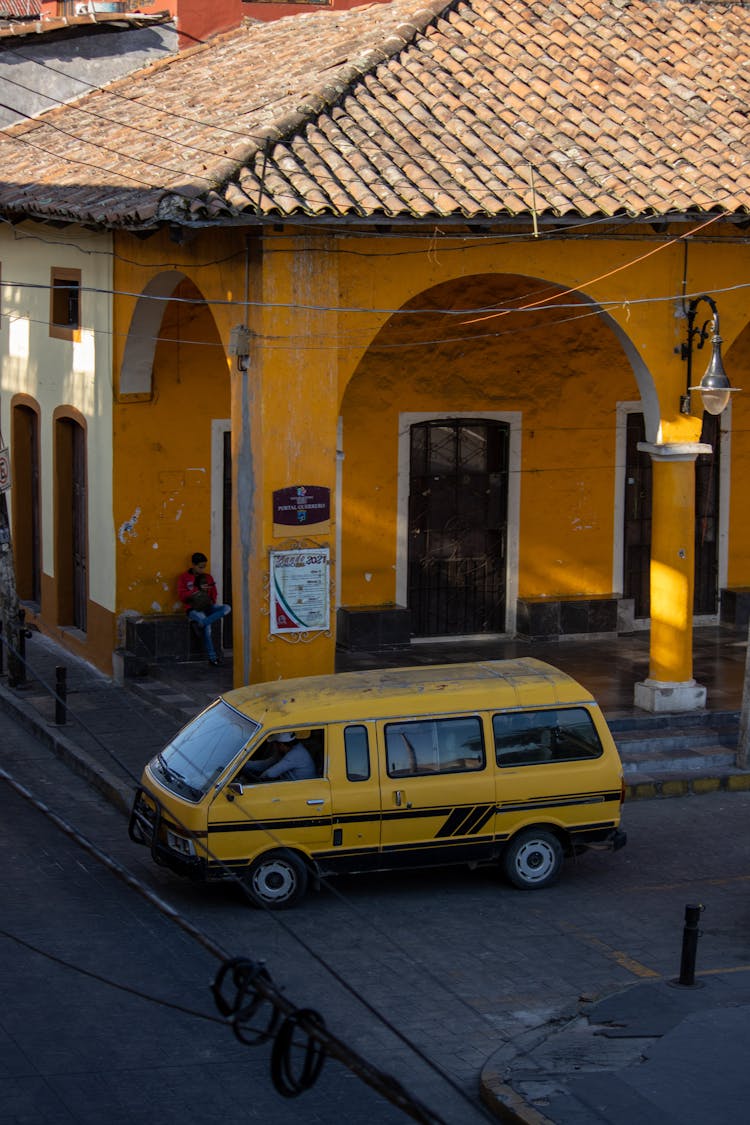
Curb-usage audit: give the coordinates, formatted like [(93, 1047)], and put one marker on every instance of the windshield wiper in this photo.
[(172, 775), (169, 773)]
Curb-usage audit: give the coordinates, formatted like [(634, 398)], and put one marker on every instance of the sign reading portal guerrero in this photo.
[(299, 589), (304, 506)]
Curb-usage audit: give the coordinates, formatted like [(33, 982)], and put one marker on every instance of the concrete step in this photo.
[(632, 743), (701, 741), (706, 759), (689, 720)]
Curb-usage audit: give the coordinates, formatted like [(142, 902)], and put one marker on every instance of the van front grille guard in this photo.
[(145, 822)]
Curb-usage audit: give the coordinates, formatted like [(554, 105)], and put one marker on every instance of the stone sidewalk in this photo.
[(652, 1053), (656, 1053)]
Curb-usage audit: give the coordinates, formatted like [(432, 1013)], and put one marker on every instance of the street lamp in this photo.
[(714, 387)]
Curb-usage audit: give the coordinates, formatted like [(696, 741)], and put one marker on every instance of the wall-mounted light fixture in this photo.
[(239, 346), (715, 388)]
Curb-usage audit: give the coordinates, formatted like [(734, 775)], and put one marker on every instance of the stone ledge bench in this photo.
[(735, 607), (162, 638), (373, 627), (544, 618)]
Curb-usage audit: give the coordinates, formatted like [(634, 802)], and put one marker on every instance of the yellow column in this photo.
[(284, 420), (670, 685)]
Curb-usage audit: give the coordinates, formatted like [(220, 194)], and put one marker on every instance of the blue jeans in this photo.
[(204, 621)]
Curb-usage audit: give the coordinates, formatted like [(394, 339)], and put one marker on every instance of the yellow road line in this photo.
[(622, 959), (725, 882)]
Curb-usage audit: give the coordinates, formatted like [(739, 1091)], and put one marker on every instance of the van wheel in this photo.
[(277, 880), (533, 859)]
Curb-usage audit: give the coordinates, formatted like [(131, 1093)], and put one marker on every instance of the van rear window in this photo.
[(427, 746), (530, 738)]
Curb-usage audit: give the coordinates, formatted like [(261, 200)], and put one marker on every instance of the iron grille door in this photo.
[(638, 487), (637, 539), (707, 465), (458, 517)]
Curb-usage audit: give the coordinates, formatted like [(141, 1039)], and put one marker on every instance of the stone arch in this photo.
[(136, 375), (641, 373), (555, 376)]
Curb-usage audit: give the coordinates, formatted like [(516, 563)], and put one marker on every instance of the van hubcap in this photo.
[(274, 881), (535, 860)]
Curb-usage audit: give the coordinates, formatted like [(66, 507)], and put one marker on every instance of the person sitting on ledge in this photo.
[(196, 590)]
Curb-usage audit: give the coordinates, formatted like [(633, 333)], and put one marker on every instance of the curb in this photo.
[(115, 791), (687, 786), (504, 1103), (120, 794)]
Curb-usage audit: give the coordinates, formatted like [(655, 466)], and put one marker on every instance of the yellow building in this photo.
[(420, 279)]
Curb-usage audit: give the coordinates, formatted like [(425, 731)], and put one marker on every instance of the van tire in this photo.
[(276, 880), (533, 859)]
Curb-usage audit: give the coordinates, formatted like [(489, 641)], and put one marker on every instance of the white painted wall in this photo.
[(62, 372)]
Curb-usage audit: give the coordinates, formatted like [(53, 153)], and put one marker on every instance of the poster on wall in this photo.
[(300, 590)]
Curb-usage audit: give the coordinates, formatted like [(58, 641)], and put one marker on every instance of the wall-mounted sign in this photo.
[(299, 590), (4, 470), (303, 506)]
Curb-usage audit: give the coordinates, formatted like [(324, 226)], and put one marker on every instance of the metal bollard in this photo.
[(61, 694), (690, 936), (23, 633)]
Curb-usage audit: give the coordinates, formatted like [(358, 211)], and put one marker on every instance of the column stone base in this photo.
[(659, 696)]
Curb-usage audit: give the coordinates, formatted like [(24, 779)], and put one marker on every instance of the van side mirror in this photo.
[(235, 789)]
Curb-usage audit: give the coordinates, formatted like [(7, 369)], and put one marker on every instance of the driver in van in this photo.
[(291, 761)]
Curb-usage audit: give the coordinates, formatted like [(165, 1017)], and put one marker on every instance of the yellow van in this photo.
[(507, 761)]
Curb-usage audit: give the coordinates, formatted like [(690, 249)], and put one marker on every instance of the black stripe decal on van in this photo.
[(271, 826), (560, 802), (463, 822)]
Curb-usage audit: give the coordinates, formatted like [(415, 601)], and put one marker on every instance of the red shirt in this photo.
[(189, 584)]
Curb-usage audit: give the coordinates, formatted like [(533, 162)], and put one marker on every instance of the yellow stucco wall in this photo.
[(543, 366), (163, 479), (331, 338)]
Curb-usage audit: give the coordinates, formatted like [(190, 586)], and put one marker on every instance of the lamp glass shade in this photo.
[(715, 388)]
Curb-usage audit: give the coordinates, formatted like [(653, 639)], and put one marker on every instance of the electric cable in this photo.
[(467, 242), (117, 985), (105, 148), (289, 930), (126, 155), (544, 304), (310, 1023)]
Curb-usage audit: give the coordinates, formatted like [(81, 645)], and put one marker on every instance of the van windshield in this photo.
[(192, 761)]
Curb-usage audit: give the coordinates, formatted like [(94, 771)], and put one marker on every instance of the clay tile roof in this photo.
[(473, 109)]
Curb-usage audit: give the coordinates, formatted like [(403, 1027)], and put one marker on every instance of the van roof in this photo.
[(382, 692)]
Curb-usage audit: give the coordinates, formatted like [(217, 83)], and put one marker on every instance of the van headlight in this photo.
[(180, 844)]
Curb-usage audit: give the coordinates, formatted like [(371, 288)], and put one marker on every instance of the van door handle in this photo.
[(317, 801), (397, 797)]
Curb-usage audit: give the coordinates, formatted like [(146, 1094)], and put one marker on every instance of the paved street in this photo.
[(457, 961)]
